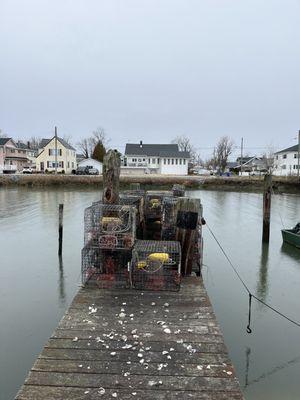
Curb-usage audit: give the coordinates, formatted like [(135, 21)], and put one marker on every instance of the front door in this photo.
[(42, 166)]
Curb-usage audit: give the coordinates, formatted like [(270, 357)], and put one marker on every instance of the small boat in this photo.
[(292, 236)]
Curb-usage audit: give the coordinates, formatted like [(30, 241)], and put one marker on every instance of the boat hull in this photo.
[(290, 237)]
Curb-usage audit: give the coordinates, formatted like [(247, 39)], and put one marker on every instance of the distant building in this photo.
[(164, 159), (31, 153), (12, 158), (286, 161), (60, 155), (90, 162)]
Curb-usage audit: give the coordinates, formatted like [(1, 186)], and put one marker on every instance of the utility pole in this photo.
[(298, 166), (242, 148), (267, 207), (55, 142)]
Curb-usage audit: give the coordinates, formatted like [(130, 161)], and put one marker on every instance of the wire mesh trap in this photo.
[(153, 203), (156, 265), (178, 190), (169, 216), (105, 268), (109, 226)]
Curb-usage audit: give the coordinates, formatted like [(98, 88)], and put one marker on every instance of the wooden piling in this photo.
[(111, 177), (60, 228), (188, 217), (267, 207)]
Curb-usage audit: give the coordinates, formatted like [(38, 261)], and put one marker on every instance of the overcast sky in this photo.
[(151, 70)]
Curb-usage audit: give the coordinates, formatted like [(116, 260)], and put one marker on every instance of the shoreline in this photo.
[(242, 184)]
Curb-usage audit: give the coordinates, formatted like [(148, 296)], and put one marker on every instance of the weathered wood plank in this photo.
[(90, 333), (124, 356), (119, 381), (114, 367), (69, 393), (130, 345)]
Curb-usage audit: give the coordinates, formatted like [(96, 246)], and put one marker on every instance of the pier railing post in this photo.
[(60, 228), (267, 207)]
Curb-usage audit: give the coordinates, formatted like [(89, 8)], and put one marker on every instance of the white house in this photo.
[(90, 162), (164, 159), (286, 161), (56, 153)]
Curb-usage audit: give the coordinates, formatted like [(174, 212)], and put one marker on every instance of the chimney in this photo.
[(141, 143)]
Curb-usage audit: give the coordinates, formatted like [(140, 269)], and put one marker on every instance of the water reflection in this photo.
[(248, 352), (272, 371), (290, 251), (262, 283), (61, 282)]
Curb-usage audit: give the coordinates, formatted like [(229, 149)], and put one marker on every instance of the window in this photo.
[(68, 164), (184, 162), (295, 166), (284, 166), (172, 161), (139, 160), (153, 160), (176, 161), (180, 161), (158, 161), (149, 160), (52, 152), (276, 157), (284, 156), (144, 159), (168, 161), (12, 150), (165, 161), (72, 165), (295, 155)]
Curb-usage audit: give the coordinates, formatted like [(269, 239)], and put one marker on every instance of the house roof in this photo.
[(161, 150), (4, 140), (44, 143), (292, 148)]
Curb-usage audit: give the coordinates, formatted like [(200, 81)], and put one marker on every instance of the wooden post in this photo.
[(267, 207), (188, 216), (60, 228), (111, 177)]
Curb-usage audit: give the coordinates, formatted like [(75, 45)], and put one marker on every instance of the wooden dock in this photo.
[(128, 344)]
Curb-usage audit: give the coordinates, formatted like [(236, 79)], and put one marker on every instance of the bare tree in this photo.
[(84, 148), (222, 151), (87, 145), (184, 144), (67, 138), (268, 158)]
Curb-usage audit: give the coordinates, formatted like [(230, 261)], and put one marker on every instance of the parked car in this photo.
[(88, 170), (27, 170)]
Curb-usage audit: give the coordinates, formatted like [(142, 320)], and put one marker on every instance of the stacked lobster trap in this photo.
[(156, 265), (109, 235), (169, 216)]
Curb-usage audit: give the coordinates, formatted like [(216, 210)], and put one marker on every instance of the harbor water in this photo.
[(36, 289)]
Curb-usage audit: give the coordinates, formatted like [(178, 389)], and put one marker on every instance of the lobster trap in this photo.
[(153, 203), (105, 268), (178, 190), (110, 227), (156, 265), (169, 217)]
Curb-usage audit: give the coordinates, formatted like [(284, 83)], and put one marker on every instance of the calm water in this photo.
[(35, 290)]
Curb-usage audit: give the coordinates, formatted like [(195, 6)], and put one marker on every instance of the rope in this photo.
[(249, 330)]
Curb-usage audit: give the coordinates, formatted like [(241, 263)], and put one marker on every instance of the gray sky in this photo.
[(152, 70)]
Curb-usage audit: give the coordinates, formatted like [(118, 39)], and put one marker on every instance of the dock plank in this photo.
[(130, 344)]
